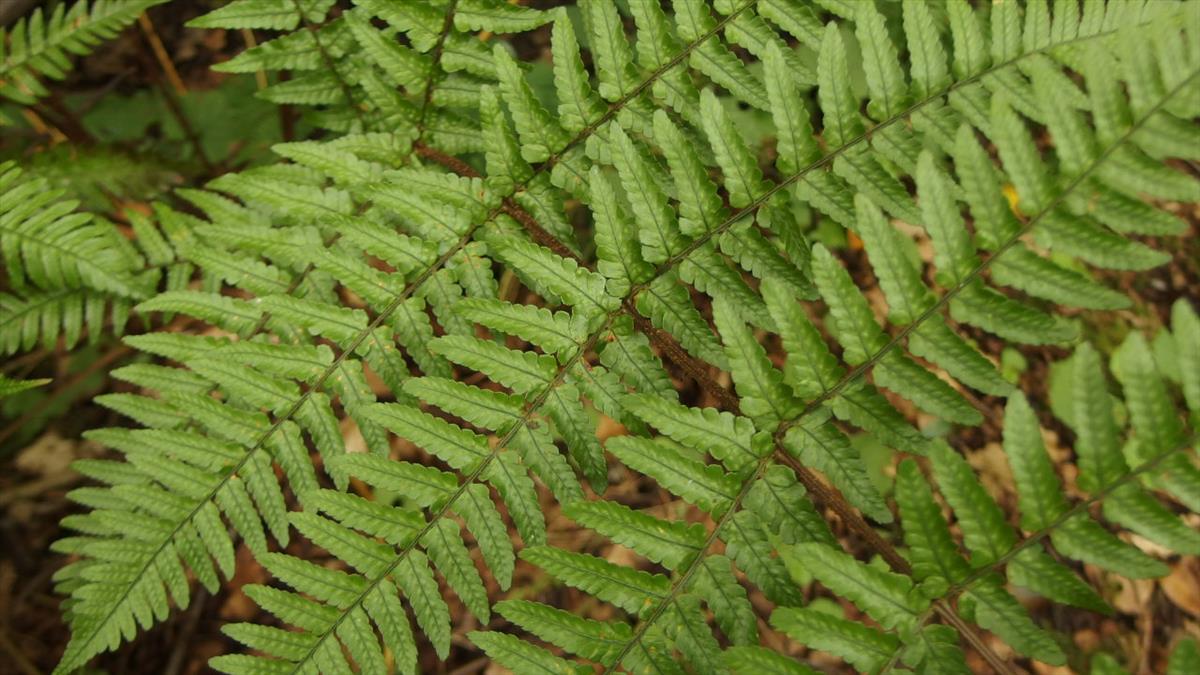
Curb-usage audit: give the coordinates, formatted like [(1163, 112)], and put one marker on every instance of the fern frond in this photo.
[(394, 278), (41, 45), (47, 245)]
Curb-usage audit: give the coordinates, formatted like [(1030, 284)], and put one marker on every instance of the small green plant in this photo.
[(369, 279), (63, 269), (41, 45)]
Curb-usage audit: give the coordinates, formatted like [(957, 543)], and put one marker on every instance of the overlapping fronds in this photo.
[(357, 284), (67, 270), (423, 73)]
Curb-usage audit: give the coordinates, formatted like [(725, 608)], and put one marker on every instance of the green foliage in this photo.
[(41, 45), (10, 386), (354, 286), (68, 272)]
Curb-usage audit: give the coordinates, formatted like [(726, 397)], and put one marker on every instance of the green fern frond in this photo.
[(47, 245), (69, 272), (362, 290), (41, 45)]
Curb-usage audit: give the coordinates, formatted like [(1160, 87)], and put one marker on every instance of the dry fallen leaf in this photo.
[(238, 606), (1133, 596), (1087, 639), (49, 454), (992, 464), (1047, 669), (1182, 585), (352, 437), (608, 427)]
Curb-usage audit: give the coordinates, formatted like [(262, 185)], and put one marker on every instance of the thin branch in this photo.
[(39, 486), (438, 48), (67, 121), (28, 359), (19, 660), (160, 54)]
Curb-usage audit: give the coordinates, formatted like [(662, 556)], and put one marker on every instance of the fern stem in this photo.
[(665, 342), (694, 367), (329, 62), (438, 48), (508, 206)]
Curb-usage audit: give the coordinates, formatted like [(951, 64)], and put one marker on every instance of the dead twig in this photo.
[(160, 54), (176, 663), (170, 94), (30, 360)]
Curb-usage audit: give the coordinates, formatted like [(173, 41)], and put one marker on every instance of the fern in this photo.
[(356, 283), (67, 270), (41, 45), (11, 387)]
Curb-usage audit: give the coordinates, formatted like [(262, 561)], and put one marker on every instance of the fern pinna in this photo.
[(356, 284)]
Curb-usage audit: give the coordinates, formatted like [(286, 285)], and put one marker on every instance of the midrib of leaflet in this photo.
[(438, 48)]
